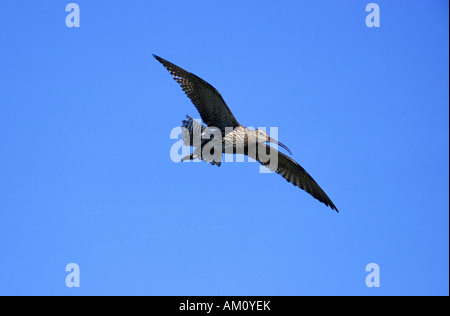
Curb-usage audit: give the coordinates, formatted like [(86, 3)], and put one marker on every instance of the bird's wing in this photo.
[(291, 171), (208, 101)]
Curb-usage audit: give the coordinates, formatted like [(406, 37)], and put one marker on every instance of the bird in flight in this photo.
[(235, 138)]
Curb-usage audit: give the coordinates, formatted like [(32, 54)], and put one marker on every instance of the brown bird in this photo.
[(235, 138)]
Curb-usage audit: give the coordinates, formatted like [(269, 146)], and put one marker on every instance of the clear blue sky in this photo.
[(86, 176)]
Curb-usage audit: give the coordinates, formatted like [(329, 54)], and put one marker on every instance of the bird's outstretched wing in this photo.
[(291, 171), (208, 101)]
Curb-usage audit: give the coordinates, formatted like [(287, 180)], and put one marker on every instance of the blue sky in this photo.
[(87, 178)]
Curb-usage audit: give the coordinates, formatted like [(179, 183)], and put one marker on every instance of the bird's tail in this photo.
[(189, 128)]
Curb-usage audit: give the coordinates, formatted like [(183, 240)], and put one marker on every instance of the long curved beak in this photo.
[(271, 140)]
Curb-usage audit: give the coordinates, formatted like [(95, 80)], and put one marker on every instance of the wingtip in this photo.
[(160, 59), (334, 208)]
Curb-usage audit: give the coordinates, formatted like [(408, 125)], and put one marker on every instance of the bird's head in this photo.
[(263, 137)]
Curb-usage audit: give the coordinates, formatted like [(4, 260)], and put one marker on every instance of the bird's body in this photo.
[(240, 140), (223, 134)]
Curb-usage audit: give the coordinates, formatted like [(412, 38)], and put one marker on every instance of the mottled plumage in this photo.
[(235, 138), (208, 101)]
